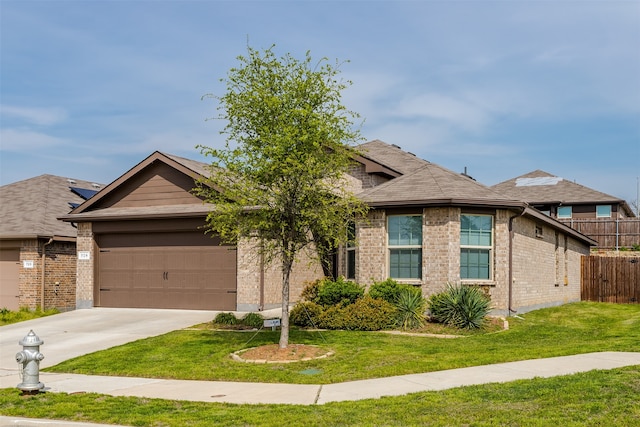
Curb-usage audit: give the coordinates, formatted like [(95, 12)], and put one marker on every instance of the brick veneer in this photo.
[(546, 266), (60, 274), (85, 268)]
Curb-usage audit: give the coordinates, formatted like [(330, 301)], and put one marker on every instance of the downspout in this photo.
[(43, 272), (511, 235)]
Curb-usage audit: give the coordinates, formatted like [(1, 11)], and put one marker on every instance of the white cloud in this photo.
[(24, 141), (34, 115)]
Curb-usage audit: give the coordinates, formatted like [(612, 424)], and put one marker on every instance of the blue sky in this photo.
[(90, 88)]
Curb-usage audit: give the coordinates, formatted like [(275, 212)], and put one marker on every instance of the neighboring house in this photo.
[(144, 245), (37, 251), (563, 199)]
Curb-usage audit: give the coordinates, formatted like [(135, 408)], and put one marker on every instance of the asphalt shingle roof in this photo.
[(424, 182), (540, 187), (31, 207)]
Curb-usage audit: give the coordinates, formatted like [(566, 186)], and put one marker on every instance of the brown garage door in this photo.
[(165, 270), (9, 278)]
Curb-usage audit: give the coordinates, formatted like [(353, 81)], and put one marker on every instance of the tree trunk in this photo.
[(284, 323)]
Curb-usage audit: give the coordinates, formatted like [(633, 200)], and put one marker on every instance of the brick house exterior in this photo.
[(532, 261), (38, 252), (456, 231)]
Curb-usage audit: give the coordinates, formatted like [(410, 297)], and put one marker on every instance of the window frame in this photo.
[(564, 216), (490, 249), (609, 215), (391, 248)]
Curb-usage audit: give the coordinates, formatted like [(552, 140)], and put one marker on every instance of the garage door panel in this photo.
[(165, 270)]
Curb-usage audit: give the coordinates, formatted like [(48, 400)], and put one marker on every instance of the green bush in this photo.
[(310, 291), (225, 319), (464, 307), (254, 320), (366, 314), (369, 314), (333, 318), (339, 292), (389, 290), (410, 308), (306, 314)]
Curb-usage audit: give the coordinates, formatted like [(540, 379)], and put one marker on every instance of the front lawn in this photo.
[(7, 316), (204, 355)]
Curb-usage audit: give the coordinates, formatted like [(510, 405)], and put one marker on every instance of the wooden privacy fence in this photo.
[(610, 279), (609, 233)]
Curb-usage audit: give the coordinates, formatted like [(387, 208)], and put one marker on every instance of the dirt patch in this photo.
[(272, 353)]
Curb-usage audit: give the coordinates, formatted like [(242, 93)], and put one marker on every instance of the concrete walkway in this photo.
[(306, 394)]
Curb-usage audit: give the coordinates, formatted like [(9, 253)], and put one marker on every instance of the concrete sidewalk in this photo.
[(303, 394)]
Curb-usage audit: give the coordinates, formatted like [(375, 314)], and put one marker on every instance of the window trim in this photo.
[(490, 248), (391, 248), (604, 216), (564, 216)]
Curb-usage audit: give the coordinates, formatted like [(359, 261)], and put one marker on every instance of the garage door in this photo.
[(9, 278), (186, 270)]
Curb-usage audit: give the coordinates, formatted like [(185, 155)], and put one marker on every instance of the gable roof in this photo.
[(425, 183), (30, 208), (539, 187), (92, 210)]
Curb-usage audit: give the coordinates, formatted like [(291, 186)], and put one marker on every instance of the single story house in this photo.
[(37, 251), (141, 241)]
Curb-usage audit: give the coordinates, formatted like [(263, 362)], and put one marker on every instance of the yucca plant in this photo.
[(410, 306), (464, 307)]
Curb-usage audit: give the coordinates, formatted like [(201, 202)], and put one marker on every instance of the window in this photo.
[(603, 211), (351, 251), (405, 246), (565, 211), (476, 243)]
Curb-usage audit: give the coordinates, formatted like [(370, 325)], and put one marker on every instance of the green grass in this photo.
[(8, 316), (593, 398), (204, 354), (596, 398)]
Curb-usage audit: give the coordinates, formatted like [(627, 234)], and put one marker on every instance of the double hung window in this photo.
[(404, 234), (476, 245)]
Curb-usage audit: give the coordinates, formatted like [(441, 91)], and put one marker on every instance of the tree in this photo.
[(280, 180)]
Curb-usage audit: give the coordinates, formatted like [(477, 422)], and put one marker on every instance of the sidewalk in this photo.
[(304, 394)]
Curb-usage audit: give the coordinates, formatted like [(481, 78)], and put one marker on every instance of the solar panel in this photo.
[(83, 192)]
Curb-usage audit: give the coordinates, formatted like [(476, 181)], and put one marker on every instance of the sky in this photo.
[(90, 88)]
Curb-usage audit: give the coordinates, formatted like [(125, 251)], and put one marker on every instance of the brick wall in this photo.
[(59, 276), (546, 264), (251, 270), (85, 269)]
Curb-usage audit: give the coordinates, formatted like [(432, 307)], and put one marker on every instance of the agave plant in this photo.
[(464, 307), (410, 307)]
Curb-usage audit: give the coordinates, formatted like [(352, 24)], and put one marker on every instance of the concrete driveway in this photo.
[(79, 332)]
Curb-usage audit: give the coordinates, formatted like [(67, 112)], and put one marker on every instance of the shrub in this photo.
[(310, 291), (254, 320), (366, 314), (306, 314), (369, 314), (226, 319), (464, 307), (410, 307), (338, 292), (389, 290)]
